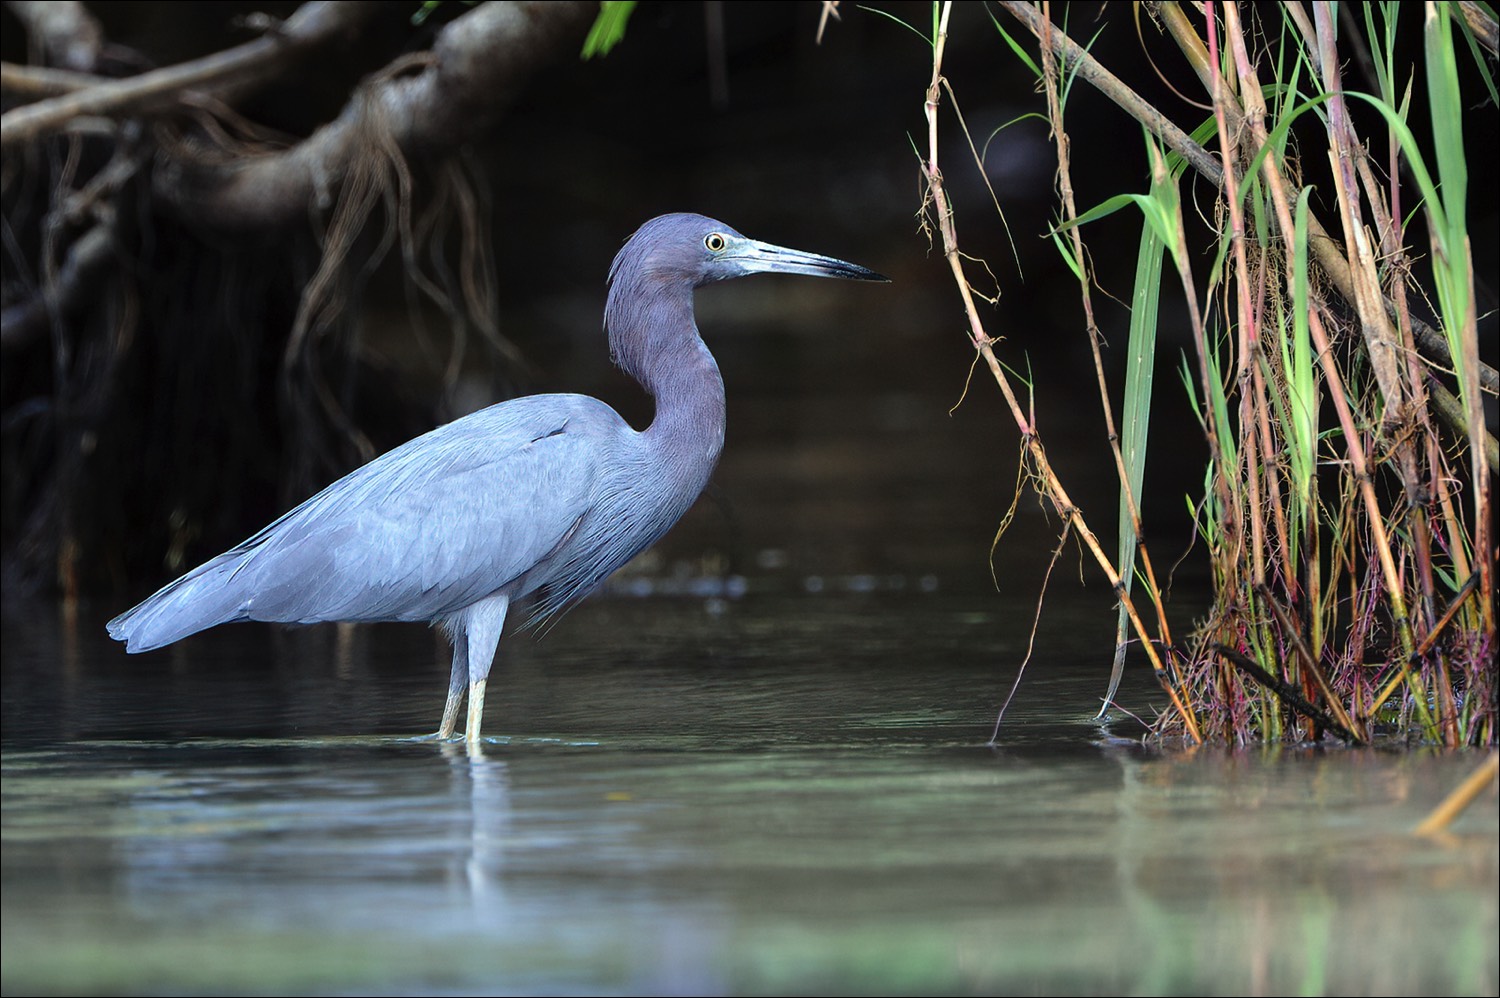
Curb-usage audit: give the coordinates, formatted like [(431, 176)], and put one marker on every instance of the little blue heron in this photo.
[(546, 494)]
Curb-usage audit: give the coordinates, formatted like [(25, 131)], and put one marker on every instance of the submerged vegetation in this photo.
[(1346, 509)]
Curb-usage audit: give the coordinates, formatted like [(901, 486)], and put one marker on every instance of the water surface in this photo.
[(762, 793)]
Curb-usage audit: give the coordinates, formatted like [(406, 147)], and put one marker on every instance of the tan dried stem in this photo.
[(1053, 488), (1075, 236)]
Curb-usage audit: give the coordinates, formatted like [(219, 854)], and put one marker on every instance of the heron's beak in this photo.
[(763, 258)]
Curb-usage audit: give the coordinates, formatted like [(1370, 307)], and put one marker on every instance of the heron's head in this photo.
[(694, 250), (651, 282)]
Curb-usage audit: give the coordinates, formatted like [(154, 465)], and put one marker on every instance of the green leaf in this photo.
[(1301, 385), (1140, 375), (608, 28), (931, 42), (1015, 46)]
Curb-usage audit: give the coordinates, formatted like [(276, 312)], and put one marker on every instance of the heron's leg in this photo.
[(456, 683), (482, 624), (476, 712)]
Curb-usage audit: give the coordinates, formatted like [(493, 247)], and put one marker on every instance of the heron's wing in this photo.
[(440, 522), (428, 528)]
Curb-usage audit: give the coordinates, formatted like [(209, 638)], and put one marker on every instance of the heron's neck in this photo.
[(657, 343)]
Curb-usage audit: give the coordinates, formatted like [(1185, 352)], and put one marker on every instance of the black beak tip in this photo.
[(857, 273)]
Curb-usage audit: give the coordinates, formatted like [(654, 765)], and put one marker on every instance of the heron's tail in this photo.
[(202, 598)]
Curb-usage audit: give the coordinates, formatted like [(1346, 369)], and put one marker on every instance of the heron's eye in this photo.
[(715, 242)]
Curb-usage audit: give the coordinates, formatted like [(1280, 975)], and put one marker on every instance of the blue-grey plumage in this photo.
[(547, 494)]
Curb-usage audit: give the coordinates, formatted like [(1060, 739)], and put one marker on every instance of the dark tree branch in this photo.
[(476, 68), (314, 25), (31, 83)]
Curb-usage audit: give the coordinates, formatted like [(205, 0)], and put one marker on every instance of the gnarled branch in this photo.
[(477, 67), (314, 25)]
